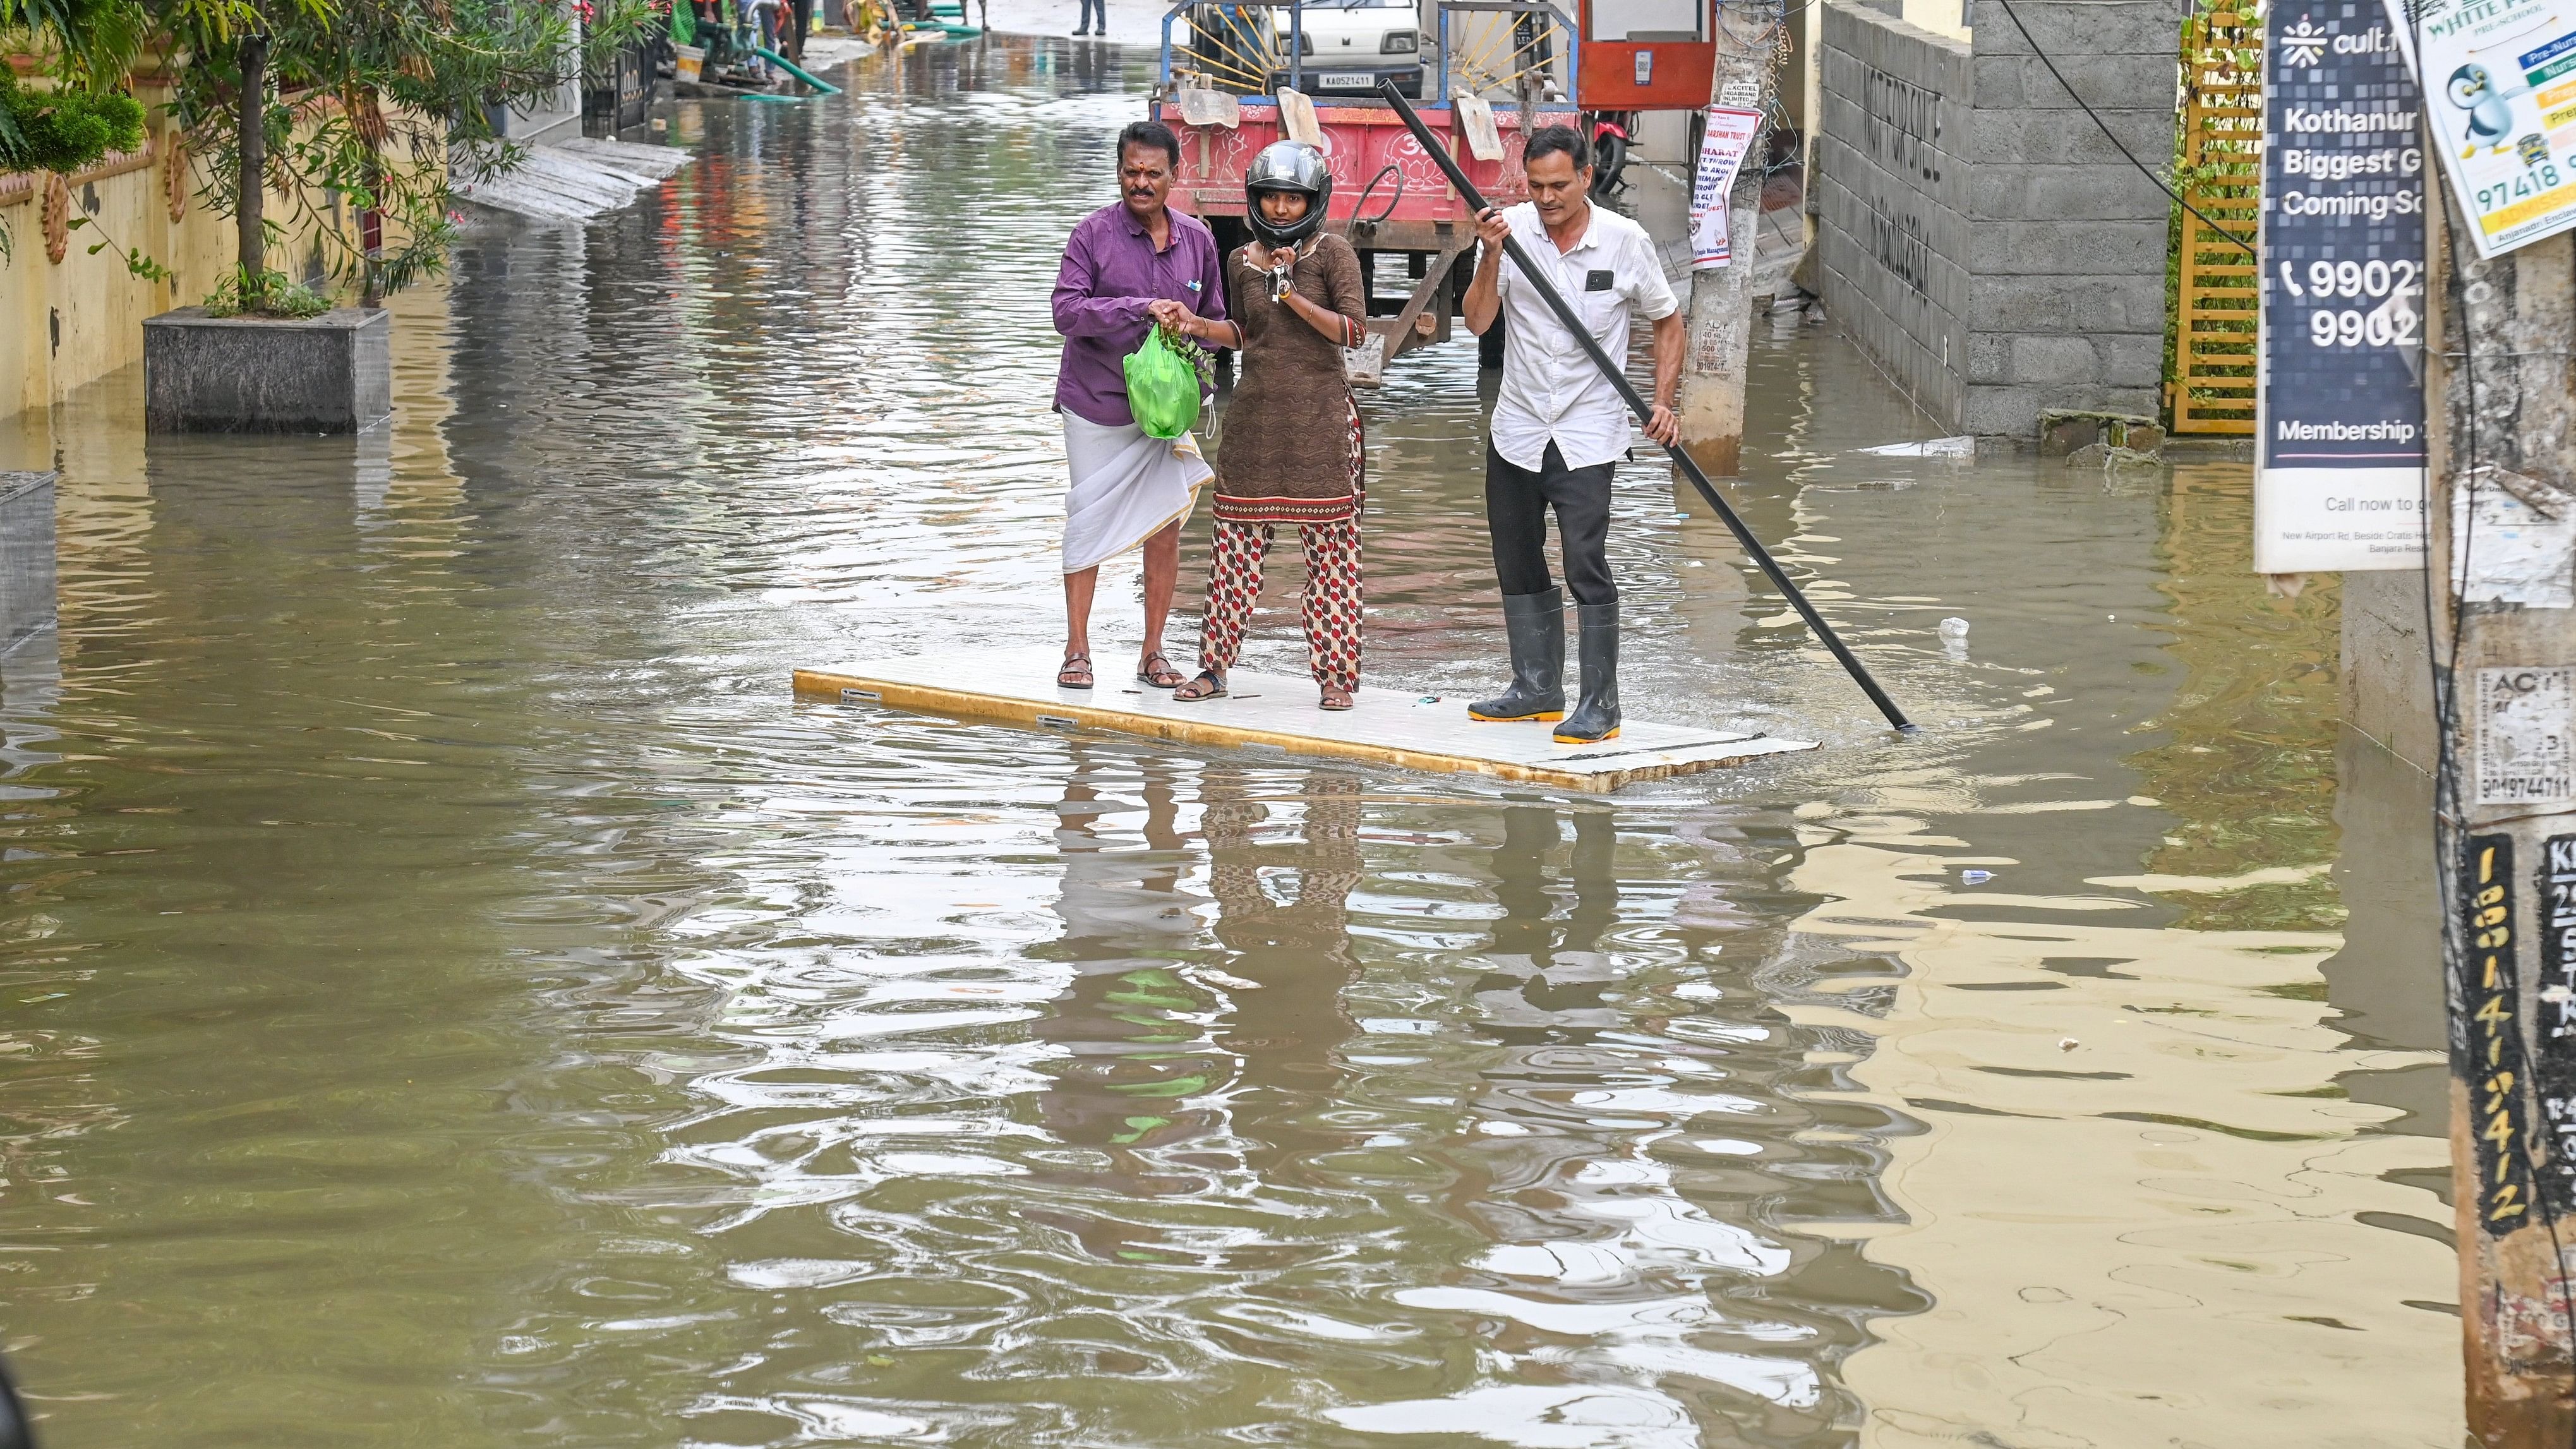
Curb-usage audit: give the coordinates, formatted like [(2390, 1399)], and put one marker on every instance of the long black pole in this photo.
[(1636, 404)]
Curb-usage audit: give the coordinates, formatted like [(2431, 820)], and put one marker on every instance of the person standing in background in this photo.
[(761, 20), (1090, 8), (1128, 267)]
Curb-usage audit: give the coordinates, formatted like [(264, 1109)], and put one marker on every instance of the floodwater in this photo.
[(455, 996)]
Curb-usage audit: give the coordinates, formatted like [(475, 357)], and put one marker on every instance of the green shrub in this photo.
[(63, 130), (275, 296)]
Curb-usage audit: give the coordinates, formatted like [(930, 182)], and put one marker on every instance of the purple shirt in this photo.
[(1110, 272)]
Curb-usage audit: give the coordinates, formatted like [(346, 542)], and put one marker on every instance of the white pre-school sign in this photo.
[(2500, 83)]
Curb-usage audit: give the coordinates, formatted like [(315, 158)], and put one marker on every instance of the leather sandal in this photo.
[(1335, 699), (1164, 678), (1074, 665), (1209, 685)]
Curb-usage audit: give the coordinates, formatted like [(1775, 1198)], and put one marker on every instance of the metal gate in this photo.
[(619, 96), (2220, 174)]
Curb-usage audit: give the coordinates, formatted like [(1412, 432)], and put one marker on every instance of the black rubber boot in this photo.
[(1536, 624), (1596, 713)]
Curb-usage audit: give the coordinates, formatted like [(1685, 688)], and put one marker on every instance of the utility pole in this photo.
[(1720, 313), (2500, 413)]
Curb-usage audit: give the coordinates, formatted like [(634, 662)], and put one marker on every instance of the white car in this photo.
[(1349, 47)]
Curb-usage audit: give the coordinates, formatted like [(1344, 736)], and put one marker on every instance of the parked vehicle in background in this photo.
[(1348, 48), (1611, 133), (1488, 73)]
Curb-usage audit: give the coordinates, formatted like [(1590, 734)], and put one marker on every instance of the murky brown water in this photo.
[(454, 996)]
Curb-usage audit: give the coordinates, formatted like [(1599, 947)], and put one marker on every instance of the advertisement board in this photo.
[(1731, 132), (2500, 89), (2339, 404)]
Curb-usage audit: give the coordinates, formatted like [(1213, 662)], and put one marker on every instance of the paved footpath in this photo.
[(1131, 22)]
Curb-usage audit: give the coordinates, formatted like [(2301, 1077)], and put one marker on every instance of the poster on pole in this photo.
[(1731, 132), (2339, 400), (2500, 90)]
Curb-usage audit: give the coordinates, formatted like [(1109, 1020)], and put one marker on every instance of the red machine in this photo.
[(1645, 55), (1522, 59), (1639, 55), (1387, 196)]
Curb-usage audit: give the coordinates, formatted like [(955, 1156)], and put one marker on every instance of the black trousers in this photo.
[(1516, 504)]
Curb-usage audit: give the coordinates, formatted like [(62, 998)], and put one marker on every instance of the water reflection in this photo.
[(1135, 1072), (1282, 890), (1543, 979), (455, 996)]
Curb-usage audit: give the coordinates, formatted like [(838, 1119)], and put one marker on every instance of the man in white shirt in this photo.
[(1559, 427)]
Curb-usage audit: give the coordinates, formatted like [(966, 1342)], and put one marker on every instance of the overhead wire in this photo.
[(2113, 137)]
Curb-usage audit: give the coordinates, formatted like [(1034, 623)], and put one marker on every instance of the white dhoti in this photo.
[(1126, 486)]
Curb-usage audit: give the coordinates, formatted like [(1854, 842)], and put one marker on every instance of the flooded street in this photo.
[(454, 995)]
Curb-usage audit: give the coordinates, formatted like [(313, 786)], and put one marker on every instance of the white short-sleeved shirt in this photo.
[(1551, 392)]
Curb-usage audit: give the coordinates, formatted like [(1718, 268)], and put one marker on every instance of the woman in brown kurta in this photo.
[(1290, 449)]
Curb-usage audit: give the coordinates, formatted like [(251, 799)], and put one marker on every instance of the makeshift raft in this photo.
[(1272, 712)]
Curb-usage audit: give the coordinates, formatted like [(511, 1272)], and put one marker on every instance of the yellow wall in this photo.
[(67, 323)]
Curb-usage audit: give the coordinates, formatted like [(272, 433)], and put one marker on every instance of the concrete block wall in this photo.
[(1892, 190), (2069, 304), (2045, 288)]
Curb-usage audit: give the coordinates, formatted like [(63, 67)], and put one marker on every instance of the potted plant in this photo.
[(353, 115)]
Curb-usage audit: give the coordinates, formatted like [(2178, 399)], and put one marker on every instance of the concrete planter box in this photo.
[(326, 374), (26, 557)]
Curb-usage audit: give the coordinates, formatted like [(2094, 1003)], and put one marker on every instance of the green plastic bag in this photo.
[(1162, 388)]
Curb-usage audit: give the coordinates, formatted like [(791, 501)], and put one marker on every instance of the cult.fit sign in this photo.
[(2339, 404)]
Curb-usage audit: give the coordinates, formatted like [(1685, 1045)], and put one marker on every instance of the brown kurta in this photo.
[(1285, 455)]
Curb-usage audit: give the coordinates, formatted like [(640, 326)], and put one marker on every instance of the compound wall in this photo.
[(1978, 234), (70, 314)]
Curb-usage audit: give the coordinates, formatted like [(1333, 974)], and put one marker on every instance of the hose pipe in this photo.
[(792, 68)]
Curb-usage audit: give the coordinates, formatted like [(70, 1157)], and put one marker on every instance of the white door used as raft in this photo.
[(1386, 726)]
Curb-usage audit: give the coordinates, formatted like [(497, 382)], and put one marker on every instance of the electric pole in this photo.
[(1720, 311), (2500, 413)]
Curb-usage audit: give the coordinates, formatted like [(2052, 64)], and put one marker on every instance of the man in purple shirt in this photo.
[(1126, 268)]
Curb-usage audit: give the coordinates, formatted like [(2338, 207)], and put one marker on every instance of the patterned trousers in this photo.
[(1330, 604)]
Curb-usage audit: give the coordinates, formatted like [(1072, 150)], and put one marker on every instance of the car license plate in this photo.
[(1361, 79)]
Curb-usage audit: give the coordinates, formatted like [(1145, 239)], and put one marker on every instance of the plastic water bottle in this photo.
[(1954, 627)]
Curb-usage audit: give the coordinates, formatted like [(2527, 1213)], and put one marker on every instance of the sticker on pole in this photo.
[(2523, 724), (2339, 395), (1731, 133), (2500, 90), (2513, 540)]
